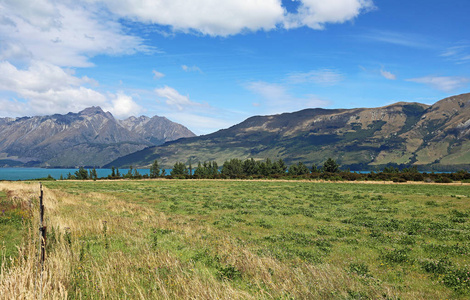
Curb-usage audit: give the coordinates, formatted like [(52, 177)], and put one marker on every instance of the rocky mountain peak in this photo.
[(91, 137), (92, 111)]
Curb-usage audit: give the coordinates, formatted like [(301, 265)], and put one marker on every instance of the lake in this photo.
[(34, 173)]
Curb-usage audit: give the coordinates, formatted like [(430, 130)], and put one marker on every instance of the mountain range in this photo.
[(435, 137), (91, 137)]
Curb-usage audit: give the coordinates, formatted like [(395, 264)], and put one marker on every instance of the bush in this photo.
[(443, 180)]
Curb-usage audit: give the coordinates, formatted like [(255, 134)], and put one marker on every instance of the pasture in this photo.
[(228, 239)]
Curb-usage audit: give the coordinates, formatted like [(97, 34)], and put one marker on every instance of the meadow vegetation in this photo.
[(233, 239)]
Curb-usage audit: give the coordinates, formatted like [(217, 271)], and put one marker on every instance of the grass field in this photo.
[(222, 239)]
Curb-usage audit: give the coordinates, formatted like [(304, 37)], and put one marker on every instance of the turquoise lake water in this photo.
[(34, 173)]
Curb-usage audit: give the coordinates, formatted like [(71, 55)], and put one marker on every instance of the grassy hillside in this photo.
[(186, 239), (432, 137)]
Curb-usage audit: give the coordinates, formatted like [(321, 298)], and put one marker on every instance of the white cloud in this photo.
[(39, 77), (459, 54), (443, 83), (275, 98), (397, 38), (388, 75), (201, 118), (157, 75), (322, 77), (191, 69), (316, 13), (174, 99), (229, 17), (211, 17), (61, 32), (48, 89), (123, 106)]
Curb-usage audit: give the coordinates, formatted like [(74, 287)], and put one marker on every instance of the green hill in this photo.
[(432, 137)]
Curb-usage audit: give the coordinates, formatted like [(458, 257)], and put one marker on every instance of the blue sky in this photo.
[(210, 64)]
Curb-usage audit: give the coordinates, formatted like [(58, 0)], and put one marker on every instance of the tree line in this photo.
[(256, 169)]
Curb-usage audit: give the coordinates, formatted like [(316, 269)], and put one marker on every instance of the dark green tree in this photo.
[(250, 167), (94, 174), (129, 173), (314, 168), (200, 170), (299, 169), (81, 174), (136, 174), (279, 167), (214, 169), (154, 170), (233, 168), (179, 168), (330, 166)]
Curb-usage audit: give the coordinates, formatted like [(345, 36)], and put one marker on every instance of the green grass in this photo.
[(12, 225), (327, 240)]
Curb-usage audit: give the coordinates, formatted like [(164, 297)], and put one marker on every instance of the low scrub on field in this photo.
[(209, 239)]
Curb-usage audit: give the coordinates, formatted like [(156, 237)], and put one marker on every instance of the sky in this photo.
[(210, 64)]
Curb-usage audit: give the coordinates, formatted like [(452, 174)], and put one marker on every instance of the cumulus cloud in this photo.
[(322, 77), (443, 83), (63, 33), (211, 17), (388, 75), (39, 77), (123, 106), (228, 17), (316, 13), (276, 98), (48, 89)]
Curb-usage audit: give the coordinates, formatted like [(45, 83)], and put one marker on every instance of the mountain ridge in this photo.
[(402, 133), (90, 137)]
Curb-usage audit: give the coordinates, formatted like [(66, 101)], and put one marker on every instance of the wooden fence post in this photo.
[(42, 228)]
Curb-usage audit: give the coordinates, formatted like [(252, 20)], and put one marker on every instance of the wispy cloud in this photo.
[(459, 54), (388, 75), (323, 77), (202, 118), (191, 69), (396, 38), (174, 99), (157, 75), (446, 84), (276, 98)]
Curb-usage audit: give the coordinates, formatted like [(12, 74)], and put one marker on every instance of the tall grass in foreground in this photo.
[(209, 240)]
